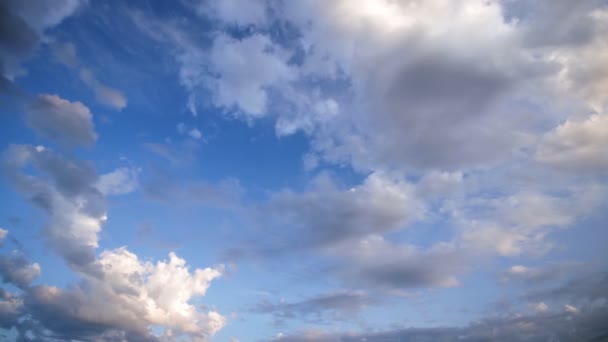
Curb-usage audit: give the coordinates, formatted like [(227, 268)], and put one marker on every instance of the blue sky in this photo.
[(275, 170)]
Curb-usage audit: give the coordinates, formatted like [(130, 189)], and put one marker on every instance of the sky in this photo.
[(306, 170)]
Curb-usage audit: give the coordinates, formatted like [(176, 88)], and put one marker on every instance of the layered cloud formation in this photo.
[(447, 151)]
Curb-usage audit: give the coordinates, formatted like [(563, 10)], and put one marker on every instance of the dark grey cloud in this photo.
[(62, 121), (323, 308), (22, 24), (563, 326), (18, 270)]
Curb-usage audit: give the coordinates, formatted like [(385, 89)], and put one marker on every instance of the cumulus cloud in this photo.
[(57, 119), (129, 295)]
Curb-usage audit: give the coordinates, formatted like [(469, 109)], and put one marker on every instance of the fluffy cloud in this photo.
[(129, 295), (243, 70), (69, 123)]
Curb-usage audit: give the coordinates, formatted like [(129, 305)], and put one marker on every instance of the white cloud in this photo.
[(70, 123), (245, 69), (121, 292), (118, 182)]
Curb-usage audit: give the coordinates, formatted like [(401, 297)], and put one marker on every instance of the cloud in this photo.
[(242, 70), (3, 234), (16, 269), (129, 295), (57, 119), (327, 215), (530, 275), (119, 182), (193, 132), (75, 208), (234, 12), (65, 53), (23, 24), (451, 103), (380, 264), (338, 305), (577, 145), (544, 326), (118, 295), (519, 224), (103, 94)]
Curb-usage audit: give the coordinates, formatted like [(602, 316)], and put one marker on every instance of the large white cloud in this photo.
[(133, 296)]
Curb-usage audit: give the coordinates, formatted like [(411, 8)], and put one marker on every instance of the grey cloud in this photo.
[(327, 215), (379, 264), (560, 22), (333, 306), (21, 25), (75, 207), (562, 326), (69, 123), (16, 269)]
